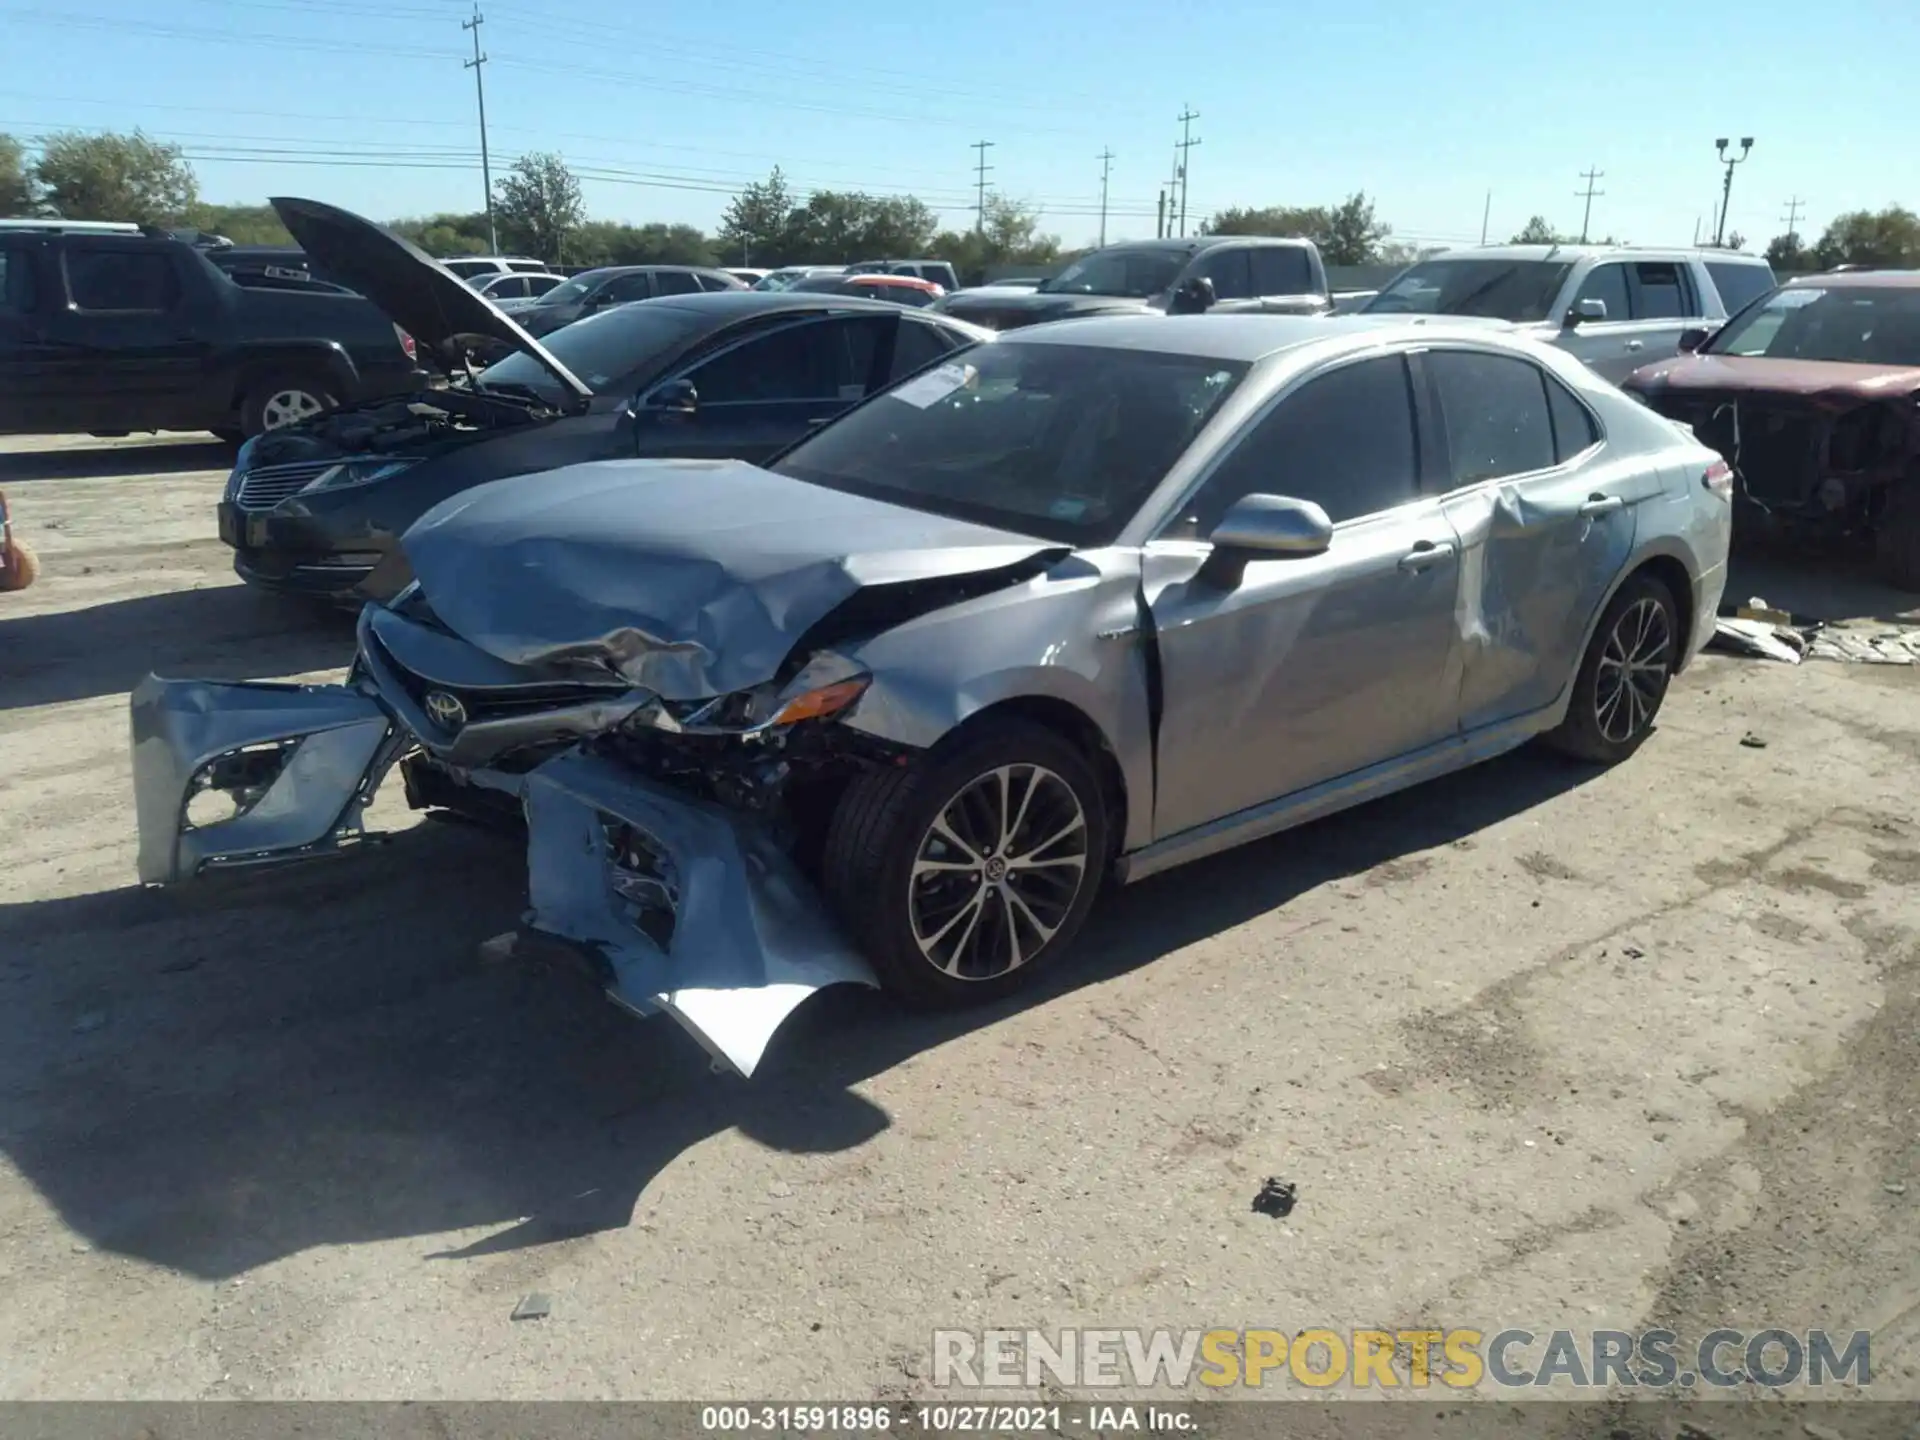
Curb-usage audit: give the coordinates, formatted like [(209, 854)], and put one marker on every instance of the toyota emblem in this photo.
[(445, 710)]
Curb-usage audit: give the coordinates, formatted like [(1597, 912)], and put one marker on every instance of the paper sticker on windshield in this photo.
[(937, 384), (1794, 299)]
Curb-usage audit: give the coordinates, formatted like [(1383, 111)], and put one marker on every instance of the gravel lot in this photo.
[(1539, 1047)]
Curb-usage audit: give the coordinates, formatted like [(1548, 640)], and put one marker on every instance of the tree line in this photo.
[(538, 210)]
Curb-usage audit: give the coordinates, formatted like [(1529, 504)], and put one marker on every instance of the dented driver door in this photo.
[(1546, 519)]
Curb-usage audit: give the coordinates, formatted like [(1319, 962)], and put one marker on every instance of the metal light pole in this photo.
[(1726, 188)]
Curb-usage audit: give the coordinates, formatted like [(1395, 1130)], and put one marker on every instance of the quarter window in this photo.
[(1573, 427), (1344, 441), (1495, 408)]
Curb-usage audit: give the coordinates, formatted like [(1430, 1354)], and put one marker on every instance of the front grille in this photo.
[(267, 486), (494, 704)]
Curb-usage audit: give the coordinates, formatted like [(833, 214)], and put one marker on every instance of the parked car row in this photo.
[(937, 631)]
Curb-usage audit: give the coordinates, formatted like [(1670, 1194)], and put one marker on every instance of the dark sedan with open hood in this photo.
[(315, 508), (1812, 393)]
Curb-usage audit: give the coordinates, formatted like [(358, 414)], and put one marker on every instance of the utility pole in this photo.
[(980, 169), (1486, 214), (1586, 216), (1106, 169), (480, 94), (1187, 116), (1160, 216), (1792, 217), (1726, 189)]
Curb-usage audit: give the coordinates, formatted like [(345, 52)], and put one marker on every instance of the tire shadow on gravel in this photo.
[(220, 632), (216, 1078), (157, 460)]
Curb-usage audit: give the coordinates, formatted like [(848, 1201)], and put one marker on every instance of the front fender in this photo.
[(1073, 635)]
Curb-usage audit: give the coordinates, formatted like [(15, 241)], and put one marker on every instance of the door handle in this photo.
[(1601, 505), (1425, 554)]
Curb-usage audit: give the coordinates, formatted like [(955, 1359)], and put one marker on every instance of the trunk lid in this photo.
[(418, 293)]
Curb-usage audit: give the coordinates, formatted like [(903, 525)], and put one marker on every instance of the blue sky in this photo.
[(1426, 106)]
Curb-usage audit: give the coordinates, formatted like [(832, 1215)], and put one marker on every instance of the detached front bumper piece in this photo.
[(689, 908), (228, 775), (684, 907)]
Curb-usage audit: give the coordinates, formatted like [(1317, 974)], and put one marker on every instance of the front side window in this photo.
[(1739, 285), (622, 288), (1344, 441), (539, 284), (1520, 291), (1607, 283), (825, 360), (1495, 409), (1230, 273), (571, 292), (121, 280), (1064, 442)]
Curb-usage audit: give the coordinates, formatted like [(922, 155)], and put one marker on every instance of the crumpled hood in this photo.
[(1827, 382), (690, 578)]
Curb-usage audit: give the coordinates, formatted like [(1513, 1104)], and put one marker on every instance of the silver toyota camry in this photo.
[(1075, 606)]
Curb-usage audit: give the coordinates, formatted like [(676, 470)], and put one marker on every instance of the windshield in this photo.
[(603, 350), (1136, 274), (1060, 441), (567, 293), (1521, 291), (1851, 324)]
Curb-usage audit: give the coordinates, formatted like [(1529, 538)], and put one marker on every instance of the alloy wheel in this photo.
[(1634, 666), (997, 872), (287, 407)]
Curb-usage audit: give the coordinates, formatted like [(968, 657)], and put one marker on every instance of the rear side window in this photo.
[(121, 280), (825, 360), (917, 347), (1495, 409), (674, 282), (1739, 284), (1573, 426), (1659, 291), (709, 282), (1281, 270)]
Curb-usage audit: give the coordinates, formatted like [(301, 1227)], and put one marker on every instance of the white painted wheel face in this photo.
[(288, 407)]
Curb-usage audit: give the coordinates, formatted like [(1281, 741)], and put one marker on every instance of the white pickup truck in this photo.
[(1616, 307)]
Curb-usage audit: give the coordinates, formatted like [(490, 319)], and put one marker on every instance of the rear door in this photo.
[(1546, 517), (125, 331), (760, 394)]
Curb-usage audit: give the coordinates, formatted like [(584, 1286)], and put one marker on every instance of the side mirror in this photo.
[(1691, 340), (1272, 525), (676, 397), (1585, 310), (1193, 296)]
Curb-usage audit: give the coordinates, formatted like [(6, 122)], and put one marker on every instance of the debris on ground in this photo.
[(1894, 646), (533, 1307), (1761, 639), (499, 950), (1275, 1199), (1753, 741)]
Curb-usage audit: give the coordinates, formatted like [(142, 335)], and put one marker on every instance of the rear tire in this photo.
[(284, 399), (1623, 676), (963, 872), (1896, 539)]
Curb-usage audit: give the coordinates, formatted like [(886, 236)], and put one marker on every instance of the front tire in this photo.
[(1624, 675), (281, 400), (963, 872)]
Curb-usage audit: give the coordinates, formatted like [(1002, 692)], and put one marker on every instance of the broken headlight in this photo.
[(350, 473), (826, 686)]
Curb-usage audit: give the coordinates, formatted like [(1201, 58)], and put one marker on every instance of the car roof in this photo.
[(1586, 252), (725, 306), (911, 282), (1859, 279), (1242, 338)]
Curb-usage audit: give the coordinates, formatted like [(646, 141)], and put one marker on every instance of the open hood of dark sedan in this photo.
[(417, 292), (690, 578)]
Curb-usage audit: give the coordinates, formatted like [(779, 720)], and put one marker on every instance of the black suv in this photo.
[(1225, 273), (108, 333)]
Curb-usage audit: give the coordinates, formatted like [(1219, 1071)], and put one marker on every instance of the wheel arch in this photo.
[(1077, 727), (327, 361), (1669, 562)]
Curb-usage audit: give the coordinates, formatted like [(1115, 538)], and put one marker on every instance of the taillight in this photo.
[(406, 343), (1719, 479)]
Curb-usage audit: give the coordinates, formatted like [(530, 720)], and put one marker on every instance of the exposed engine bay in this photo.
[(1810, 462), (422, 424)]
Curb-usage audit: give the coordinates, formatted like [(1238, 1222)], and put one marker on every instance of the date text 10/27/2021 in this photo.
[(955, 1419)]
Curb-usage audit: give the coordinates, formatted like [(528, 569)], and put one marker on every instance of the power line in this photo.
[(1586, 216), (1792, 217), (1106, 169), (1187, 116), (980, 170), (480, 94)]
